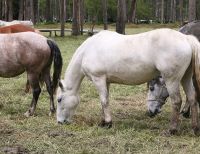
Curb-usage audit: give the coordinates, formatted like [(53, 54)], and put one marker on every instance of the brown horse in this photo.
[(17, 28), (33, 53)]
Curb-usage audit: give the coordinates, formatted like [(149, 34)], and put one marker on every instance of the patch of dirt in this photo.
[(1, 106), (14, 150), (6, 131), (122, 115), (81, 120), (101, 142), (59, 133)]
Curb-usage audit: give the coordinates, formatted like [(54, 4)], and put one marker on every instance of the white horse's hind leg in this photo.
[(190, 94), (103, 88)]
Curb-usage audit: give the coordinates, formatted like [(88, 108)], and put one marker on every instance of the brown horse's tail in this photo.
[(195, 45), (57, 59)]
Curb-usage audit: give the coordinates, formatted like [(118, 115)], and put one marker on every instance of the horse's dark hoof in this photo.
[(196, 131), (105, 124), (185, 114)]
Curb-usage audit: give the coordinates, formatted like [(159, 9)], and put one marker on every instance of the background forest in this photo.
[(161, 11)]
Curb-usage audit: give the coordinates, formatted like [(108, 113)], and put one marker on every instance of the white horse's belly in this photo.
[(132, 78), (121, 72)]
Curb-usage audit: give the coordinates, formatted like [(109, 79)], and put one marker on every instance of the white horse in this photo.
[(26, 23), (109, 57)]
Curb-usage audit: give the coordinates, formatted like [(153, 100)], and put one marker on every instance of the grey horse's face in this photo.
[(67, 103), (157, 95)]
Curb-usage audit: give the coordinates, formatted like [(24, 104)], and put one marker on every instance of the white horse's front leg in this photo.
[(174, 93), (103, 89)]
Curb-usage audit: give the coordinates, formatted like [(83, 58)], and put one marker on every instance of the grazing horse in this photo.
[(18, 28), (33, 53), (109, 57), (157, 93), (26, 23)]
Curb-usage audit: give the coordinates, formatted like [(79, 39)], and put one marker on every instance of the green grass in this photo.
[(132, 132)]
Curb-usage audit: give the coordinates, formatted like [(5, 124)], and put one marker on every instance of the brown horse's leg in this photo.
[(34, 82), (49, 86), (186, 108)]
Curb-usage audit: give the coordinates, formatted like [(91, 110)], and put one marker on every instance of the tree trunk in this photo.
[(75, 20), (168, 11), (157, 10), (132, 11), (56, 8), (62, 17), (121, 16), (10, 10), (5, 10), (35, 11), (105, 15), (181, 11), (192, 10), (82, 17), (21, 10), (48, 11), (32, 12), (29, 10), (173, 11), (162, 12), (1, 8)]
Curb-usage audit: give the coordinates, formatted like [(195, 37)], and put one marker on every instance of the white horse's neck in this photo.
[(74, 75)]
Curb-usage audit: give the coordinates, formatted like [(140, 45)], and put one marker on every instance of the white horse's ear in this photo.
[(61, 85)]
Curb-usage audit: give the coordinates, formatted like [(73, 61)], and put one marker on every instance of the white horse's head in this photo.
[(67, 103), (157, 95)]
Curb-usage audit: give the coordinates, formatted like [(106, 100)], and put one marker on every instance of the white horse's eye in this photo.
[(59, 100)]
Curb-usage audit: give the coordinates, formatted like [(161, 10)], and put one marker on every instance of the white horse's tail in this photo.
[(195, 45)]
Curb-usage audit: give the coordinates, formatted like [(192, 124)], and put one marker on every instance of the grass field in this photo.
[(132, 132)]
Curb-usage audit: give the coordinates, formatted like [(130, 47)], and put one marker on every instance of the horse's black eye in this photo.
[(59, 100), (151, 88)]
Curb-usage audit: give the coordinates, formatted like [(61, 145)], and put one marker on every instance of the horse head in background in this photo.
[(155, 87), (33, 53), (192, 28)]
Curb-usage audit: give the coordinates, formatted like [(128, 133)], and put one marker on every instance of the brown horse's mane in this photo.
[(17, 28)]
